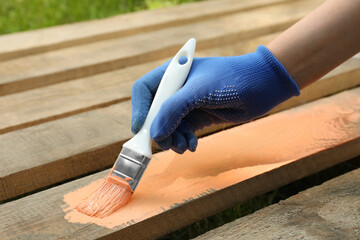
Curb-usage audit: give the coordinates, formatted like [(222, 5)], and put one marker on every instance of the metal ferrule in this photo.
[(130, 166)]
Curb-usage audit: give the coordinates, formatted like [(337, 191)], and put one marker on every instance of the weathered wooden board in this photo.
[(84, 60), (43, 40), (58, 150), (229, 167), (51, 152), (69, 98), (328, 211)]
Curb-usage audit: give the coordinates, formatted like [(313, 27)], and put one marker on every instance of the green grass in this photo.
[(23, 15)]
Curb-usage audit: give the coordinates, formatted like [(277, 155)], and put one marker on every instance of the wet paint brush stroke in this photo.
[(231, 156)]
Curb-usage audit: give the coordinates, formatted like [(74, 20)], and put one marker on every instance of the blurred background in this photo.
[(23, 15)]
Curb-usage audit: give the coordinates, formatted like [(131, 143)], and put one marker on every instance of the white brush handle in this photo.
[(173, 79)]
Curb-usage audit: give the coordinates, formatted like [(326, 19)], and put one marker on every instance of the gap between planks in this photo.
[(229, 167), (89, 59)]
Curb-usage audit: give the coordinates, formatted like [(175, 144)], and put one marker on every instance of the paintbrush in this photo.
[(136, 153)]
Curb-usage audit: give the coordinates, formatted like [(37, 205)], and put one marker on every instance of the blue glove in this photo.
[(218, 90)]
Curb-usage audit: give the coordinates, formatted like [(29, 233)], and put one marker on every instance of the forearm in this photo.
[(319, 42)]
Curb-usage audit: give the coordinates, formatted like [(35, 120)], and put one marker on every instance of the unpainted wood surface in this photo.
[(84, 60), (69, 98), (229, 167), (43, 40), (58, 150), (62, 149), (328, 211)]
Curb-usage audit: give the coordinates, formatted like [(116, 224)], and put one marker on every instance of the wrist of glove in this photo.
[(218, 90)]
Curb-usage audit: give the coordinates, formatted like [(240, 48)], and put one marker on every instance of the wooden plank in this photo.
[(86, 142), (48, 153), (43, 40), (69, 98), (64, 99), (229, 167), (328, 211), (88, 59)]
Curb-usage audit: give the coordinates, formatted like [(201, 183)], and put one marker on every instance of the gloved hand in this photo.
[(218, 90)]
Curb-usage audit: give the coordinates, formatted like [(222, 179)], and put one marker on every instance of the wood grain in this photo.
[(69, 98), (64, 144), (97, 57), (39, 105), (43, 40), (48, 153), (86, 142), (229, 167), (44, 104), (328, 211)]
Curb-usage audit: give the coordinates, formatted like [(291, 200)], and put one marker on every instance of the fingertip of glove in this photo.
[(166, 121), (135, 128), (136, 122), (193, 142), (191, 138), (156, 130), (155, 135), (179, 142), (165, 144), (178, 150)]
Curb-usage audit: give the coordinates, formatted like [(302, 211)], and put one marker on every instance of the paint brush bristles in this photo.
[(112, 195)]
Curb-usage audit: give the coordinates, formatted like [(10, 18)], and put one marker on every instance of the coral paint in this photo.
[(151, 199), (112, 195), (226, 158)]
